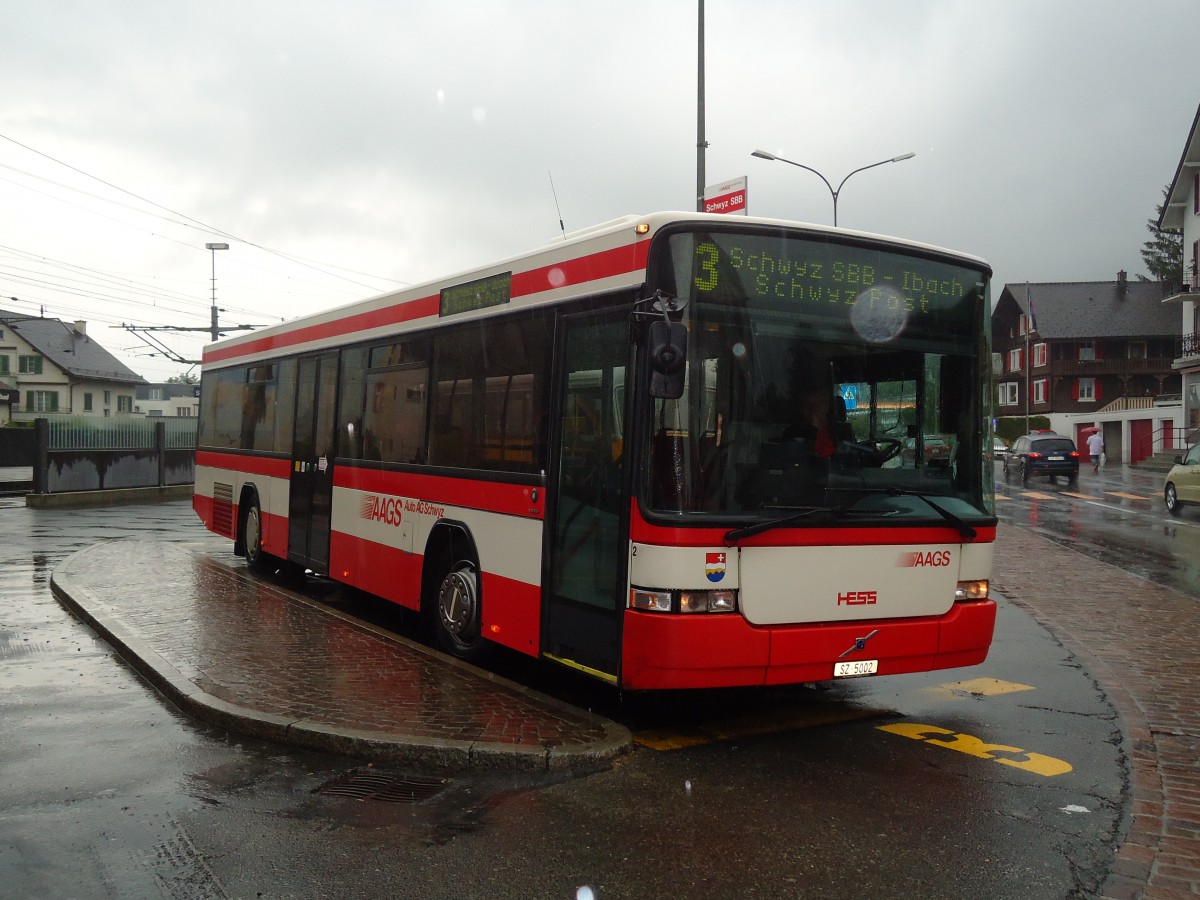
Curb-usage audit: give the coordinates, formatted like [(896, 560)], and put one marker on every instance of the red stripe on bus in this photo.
[(376, 318), (643, 532), (441, 490), (605, 264), (593, 267), (240, 462)]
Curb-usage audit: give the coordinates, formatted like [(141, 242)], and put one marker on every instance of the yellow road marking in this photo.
[(976, 687), (750, 725), (1036, 496), (1081, 496), (1126, 496), (1037, 763)]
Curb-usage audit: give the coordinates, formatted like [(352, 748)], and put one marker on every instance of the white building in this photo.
[(52, 367), (1181, 213)]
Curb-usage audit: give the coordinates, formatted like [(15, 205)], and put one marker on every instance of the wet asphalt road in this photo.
[(1116, 516), (1005, 780)]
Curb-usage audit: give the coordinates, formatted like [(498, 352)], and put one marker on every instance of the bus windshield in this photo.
[(824, 379)]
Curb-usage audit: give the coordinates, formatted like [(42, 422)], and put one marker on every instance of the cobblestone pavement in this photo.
[(1140, 641), (245, 655)]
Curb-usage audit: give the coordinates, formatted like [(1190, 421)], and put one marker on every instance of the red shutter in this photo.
[(1096, 349), (1097, 390), (1075, 389)]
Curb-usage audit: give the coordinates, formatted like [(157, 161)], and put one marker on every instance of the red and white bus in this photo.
[(672, 451)]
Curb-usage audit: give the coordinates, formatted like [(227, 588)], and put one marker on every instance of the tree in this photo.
[(1163, 253), (189, 378)]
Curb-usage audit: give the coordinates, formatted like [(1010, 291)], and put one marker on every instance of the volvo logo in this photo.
[(859, 643)]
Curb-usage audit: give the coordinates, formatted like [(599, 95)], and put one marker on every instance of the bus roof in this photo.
[(605, 257)]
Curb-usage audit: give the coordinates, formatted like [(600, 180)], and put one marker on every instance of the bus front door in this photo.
[(311, 490), (585, 577)]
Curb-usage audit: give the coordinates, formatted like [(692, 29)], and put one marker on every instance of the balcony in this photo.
[(1075, 368), (1180, 288)]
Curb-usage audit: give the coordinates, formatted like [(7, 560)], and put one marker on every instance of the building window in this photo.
[(30, 365), (108, 398), (1014, 360), (87, 402), (1087, 350), (1040, 356), (1008, 393), (4, 365), (41, 401), (124, 403), (156, 393), (1039, 391), (1087, 389)]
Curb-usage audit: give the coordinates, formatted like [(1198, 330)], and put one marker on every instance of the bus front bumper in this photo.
[(667, 652)]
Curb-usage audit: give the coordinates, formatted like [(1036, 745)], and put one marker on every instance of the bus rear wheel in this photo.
[(256, 557), (458, 613)]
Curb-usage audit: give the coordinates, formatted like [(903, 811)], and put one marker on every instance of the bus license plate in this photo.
[(855, 668)]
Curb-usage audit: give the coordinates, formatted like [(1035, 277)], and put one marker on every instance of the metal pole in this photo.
[(701, 144), (213, 248)]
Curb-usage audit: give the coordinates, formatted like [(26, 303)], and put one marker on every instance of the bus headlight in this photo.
[(683, 601), (971, 590)]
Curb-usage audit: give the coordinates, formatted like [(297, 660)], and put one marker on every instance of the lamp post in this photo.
[(763, 154), (216, 333)]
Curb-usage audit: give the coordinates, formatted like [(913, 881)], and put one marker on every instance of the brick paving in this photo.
[(1141, 642), (244, 654)]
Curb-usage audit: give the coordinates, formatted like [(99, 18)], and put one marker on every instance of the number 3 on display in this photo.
[(706, 254)]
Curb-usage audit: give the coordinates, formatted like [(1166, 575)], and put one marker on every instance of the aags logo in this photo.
[(929, 558), (381, 509), (858, 598)]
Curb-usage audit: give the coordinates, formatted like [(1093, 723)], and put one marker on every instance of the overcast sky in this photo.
[(343, 149)]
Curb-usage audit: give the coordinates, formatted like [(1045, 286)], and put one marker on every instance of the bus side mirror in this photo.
[(667, 346)]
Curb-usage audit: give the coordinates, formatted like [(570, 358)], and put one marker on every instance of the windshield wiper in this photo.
[(736, 534), (963, 527)]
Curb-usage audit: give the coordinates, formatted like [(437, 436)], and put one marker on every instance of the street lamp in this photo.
[(216, 333), (763, 154)]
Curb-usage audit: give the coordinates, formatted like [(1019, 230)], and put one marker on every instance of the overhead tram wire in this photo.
[(198, 223)]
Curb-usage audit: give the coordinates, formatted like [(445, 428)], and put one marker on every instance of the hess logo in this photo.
[(858, 598), (928, 558)]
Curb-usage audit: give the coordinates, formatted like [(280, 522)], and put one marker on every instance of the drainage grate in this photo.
[(369, 784)]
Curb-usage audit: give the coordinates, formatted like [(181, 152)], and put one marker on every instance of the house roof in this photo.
[(1095, 309), (74, 353), (1179, 192)]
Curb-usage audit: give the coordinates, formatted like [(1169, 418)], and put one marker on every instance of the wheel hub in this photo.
[(458, 602)]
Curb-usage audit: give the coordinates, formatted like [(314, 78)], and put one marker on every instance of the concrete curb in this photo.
[(114, 497), (69, 585)]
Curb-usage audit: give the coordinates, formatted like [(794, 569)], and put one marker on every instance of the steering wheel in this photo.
[(877, 452)]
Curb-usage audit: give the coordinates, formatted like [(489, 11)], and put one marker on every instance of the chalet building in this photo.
[(48, 366), (1181, 213), (1089, 354)]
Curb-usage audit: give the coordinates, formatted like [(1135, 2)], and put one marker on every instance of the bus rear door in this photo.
[(311, 490)]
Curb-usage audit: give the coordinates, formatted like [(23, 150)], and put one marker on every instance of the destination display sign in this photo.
[(881, 293), (493, 290)]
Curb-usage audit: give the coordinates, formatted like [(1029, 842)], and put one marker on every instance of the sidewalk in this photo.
[(1142, 644), (246, 656)]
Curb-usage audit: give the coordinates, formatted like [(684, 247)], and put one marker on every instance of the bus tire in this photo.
[(251, 534), (458, 612)]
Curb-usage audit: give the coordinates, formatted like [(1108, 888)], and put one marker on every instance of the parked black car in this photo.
[(1043, 453)]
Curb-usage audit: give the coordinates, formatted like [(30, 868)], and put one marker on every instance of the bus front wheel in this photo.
[(458, 618)]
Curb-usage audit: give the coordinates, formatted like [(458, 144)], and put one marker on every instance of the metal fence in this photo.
[(92, 433)]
